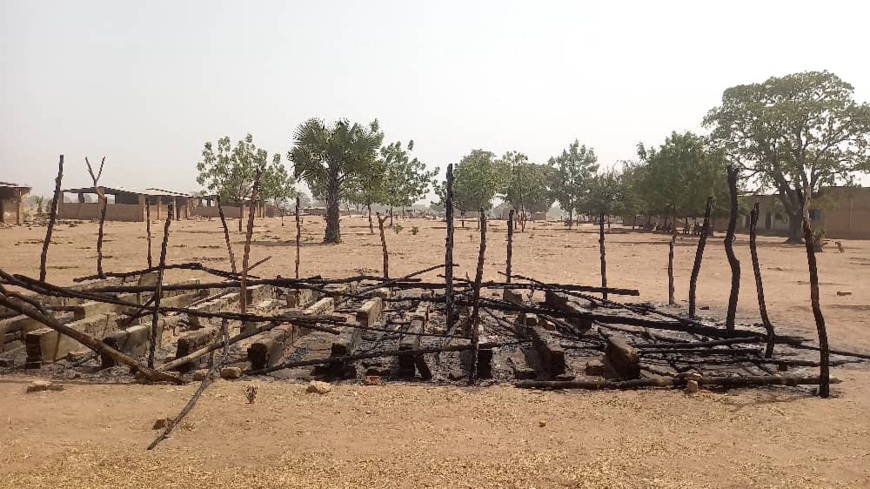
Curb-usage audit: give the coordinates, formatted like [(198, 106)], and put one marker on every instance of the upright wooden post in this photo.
[(699, 255), (243, 288), (298, 233), (729, 250), (824, 352), (381, 221), (510, 244), (104, 202), (602, 253), (52, 216), (448, 256), (762, 306), (475, 301), (671, 244), (158, 289), (148, 228), (226, 232)]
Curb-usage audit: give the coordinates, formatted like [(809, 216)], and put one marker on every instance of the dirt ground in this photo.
[(414, 435)]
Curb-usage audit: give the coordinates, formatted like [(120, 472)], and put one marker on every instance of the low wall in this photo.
[(91, 211), (229, 211)]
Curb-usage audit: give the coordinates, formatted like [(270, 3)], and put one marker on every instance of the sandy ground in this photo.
[(429, 436)]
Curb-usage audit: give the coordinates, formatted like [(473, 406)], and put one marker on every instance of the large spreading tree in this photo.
[(795, 134), (330, 157), (405, 180), (573, 170), (476, 179), (525, 186)]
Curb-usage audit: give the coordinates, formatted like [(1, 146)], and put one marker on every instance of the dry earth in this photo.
[(407, 435)]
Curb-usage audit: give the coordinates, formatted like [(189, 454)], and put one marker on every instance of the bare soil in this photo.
[(414, 435)]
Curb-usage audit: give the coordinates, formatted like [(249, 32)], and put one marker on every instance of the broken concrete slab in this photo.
[(369, 313), (132, 341), (47, 345), (549, 350), (192, 341), (301, 298)]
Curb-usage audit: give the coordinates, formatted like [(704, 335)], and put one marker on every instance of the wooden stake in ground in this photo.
[(104, 202), (602, 252), (299, 233), (510, 245), (448, 256), (671, 244), (158, 289), (824, 353), (148, 228), (255, 194), (729, 250), (381, 221), (762, 306), (475, 308), (227, 235), (52, 216), (90, 342), (699, 255)]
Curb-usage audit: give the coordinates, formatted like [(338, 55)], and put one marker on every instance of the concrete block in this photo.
[(301, 298), (268, 348), (369, 313), (407, 363), (549, 350), (621, 359), (132, 341), (323, 306), (192, 341), (514, 296), (47, 345)]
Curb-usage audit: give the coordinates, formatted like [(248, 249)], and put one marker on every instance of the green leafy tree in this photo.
[(229, 171), (605, 191), (525, 186), (278, 187), (570, 177), (681, 174), (405, 180), (330, 158), (476, 179), (794, 134)]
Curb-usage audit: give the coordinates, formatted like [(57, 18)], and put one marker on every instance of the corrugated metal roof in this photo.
[(151, 192)]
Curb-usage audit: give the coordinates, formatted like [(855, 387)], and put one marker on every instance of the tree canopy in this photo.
[(570, 178), (524, 185), (330, 158), (476, 180), (794, 134)]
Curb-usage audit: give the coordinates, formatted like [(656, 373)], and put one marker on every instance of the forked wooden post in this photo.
[(158, 289), (52, 216), (104, 202), (824, 352), (223, 217), (148, 229), (243, 288)]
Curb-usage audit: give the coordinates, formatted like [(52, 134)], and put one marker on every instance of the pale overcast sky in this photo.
[(147, 83)]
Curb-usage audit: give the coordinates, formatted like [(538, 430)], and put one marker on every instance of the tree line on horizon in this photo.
[(793, 134)]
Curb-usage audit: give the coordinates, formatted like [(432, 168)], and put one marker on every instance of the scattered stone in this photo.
[(200, 374), (161, 424), (595, 369), (76, 356), (231, 373), (318, 387), (692, 386), (42, 386), (843, 293), (456, 374), (372, 380), (542, 423)]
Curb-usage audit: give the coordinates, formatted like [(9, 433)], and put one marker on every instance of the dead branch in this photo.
[(158, 288), (223, 217), (475, 308), (52, 216), (759, 286)]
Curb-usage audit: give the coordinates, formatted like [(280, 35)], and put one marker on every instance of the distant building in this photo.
[(126, 204), (846, 216), (12, 202)]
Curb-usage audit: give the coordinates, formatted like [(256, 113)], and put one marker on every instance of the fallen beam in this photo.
[(727, 382)]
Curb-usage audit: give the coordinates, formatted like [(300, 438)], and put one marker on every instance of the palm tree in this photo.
[(330, 157)]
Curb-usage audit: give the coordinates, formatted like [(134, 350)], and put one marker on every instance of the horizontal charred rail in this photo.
[(378, 354), (699, 344), (674, 382)]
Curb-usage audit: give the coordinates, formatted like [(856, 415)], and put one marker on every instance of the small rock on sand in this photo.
[(42, 386), (231, 373), (318, 387)]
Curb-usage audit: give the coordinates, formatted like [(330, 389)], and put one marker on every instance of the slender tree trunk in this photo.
[(510, 244), (298, 233), (824, 353), (762, 306), (795, 228), (475, 308), (371, 225), (241, 215), (570, 219), (381, 221), (729, 250), (391, 215), (603, 256), (448, 247), (158, 290), (333, 211), (52, 216), (148, 229), (105, 203), (699, 256), (223, 217)]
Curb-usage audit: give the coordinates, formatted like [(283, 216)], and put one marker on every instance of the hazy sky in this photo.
[(146, 83)]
